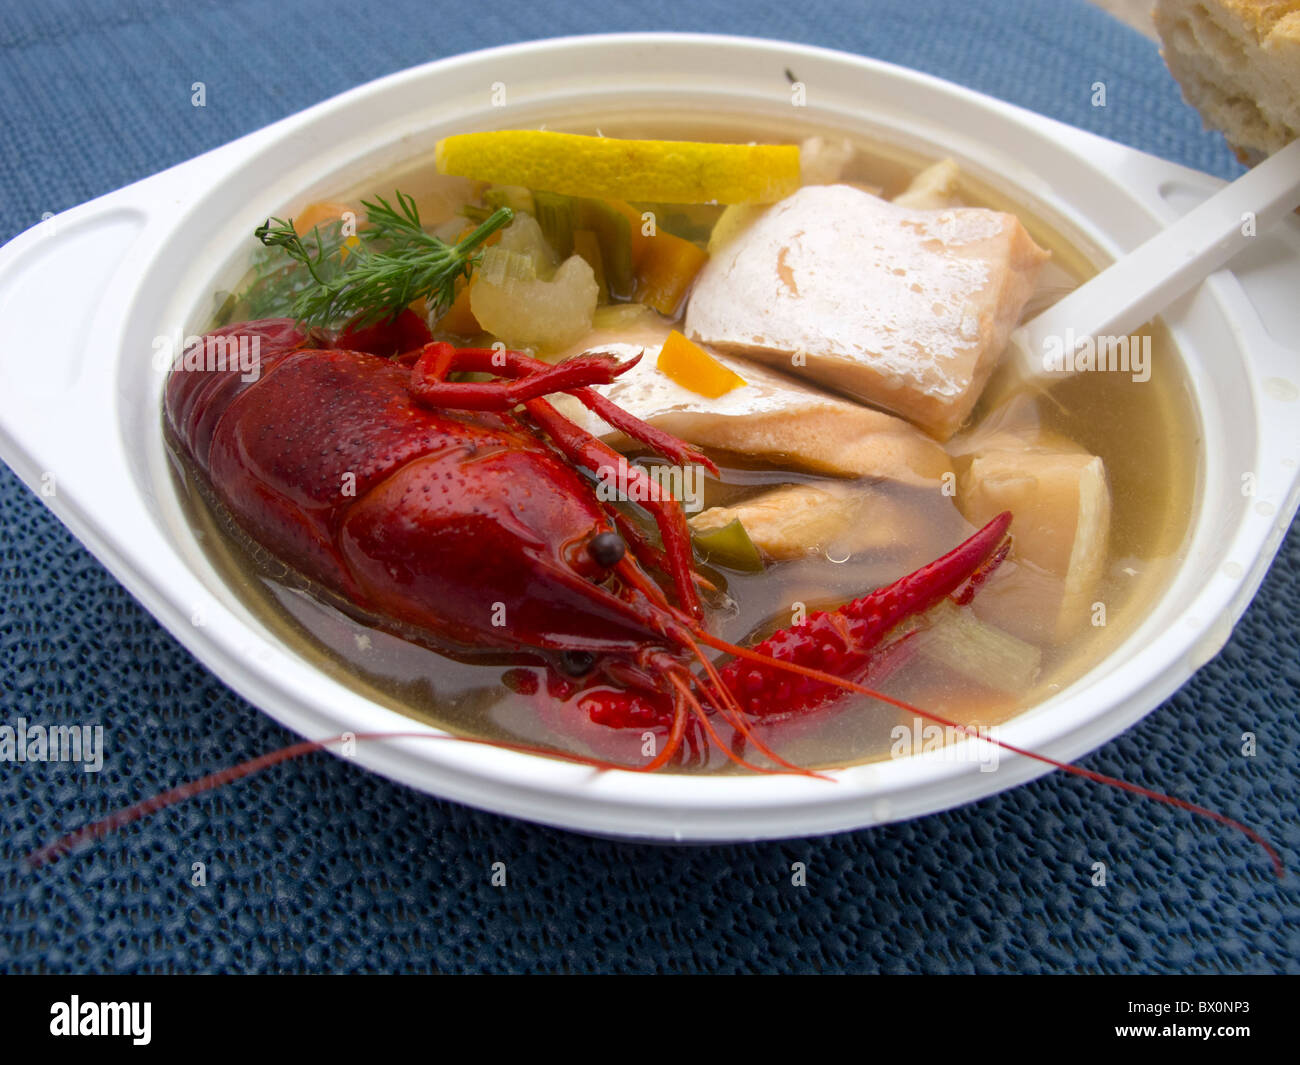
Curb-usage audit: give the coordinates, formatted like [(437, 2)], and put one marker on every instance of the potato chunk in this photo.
[(933, 189), (1062, 505), (906, 310)]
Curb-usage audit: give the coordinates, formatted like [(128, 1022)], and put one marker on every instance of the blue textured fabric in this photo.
[(318, 865)]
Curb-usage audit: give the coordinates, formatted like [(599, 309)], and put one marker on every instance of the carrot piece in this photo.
[(668, 266), (636, 226), (459, 319), (694, 368), (319, 214)]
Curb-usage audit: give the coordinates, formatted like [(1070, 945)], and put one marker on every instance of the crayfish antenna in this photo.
[(929, 715), (680, 716), (725, 701), (682, 686), (106, 826)]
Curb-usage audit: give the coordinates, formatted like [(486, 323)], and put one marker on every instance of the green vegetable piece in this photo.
[(501, 267), (614, 236), (730, 546), (586, 244), (978, 651), (690, 221), (516, 197), (557, 217), (560, 216)]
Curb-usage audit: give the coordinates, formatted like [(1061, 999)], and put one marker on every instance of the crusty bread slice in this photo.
[(1238, 62)]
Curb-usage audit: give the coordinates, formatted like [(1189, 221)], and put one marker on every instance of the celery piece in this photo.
[(557, 215), (730, 546), (615, 236), (501, 267), (690, 221), (525, 236), (516, 197), (586, 245), (978, 651), (561, 216)]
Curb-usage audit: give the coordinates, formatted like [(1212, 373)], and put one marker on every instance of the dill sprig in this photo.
[(390, 264)]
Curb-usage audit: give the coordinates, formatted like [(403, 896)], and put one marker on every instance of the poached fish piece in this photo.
[(905, 309), (799, 520), (772, 416)]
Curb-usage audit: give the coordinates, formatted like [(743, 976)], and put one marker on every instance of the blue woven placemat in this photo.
[(318, 865)]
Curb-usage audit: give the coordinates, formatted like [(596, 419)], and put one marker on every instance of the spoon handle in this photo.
[(1137, 287)]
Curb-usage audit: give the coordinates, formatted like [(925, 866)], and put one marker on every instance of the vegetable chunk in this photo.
[(695, 369), (1062, 505), (933, 189)]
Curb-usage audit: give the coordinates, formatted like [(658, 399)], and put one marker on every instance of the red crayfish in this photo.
[(454, 513)]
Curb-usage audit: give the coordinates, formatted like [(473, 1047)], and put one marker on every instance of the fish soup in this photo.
[(834, 477)]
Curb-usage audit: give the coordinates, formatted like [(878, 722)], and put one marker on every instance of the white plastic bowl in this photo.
[(80, 399)]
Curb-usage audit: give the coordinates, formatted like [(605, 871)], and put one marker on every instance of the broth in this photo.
[(1146, 433)]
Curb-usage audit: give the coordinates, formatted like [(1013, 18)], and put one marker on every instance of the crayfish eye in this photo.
[(606, 549), (577, 663)]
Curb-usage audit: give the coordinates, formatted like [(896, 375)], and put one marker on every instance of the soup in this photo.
[(968, 665)]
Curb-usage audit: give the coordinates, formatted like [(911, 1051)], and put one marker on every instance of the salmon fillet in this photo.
[(907, 310)]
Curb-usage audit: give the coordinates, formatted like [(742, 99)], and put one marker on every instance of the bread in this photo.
[(1238, 62)]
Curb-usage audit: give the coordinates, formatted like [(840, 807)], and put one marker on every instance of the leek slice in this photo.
[(978, 651), (730, 546)]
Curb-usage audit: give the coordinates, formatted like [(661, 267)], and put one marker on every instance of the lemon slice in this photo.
[(609, 168)]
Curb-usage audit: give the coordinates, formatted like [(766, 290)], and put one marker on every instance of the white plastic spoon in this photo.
[(1144, 282)]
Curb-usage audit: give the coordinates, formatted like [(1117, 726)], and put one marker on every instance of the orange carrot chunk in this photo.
[(667, 268), (688, 364), (320, 214), (459, 319)]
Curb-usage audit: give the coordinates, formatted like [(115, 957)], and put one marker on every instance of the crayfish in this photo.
[(463, 515)]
